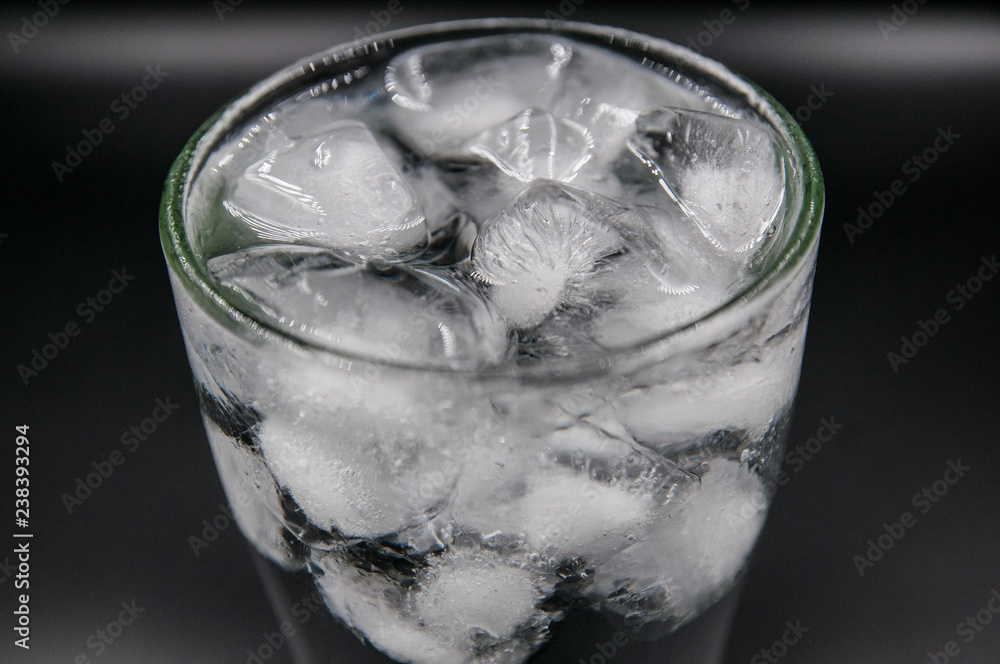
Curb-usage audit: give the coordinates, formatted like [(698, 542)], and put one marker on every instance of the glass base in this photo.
[(311, 635)]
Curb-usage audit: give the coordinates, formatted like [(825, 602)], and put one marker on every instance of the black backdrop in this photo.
[(882, 93)]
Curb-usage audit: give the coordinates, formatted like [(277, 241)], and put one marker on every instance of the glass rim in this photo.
[(804, 214)]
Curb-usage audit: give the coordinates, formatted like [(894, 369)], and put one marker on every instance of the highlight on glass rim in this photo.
[(496, 328)]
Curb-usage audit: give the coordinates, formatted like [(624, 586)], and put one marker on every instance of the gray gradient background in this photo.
[(59, 243)]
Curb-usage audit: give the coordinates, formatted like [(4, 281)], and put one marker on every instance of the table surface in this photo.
[(883, 87)]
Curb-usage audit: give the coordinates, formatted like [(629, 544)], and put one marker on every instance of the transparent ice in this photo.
[(726, 174), (535, 145), (403, 312), (441, 95), (366, 487), (499, 202), (336, 188)]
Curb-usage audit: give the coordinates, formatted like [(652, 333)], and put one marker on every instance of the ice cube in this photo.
[(565, 514), (744, 396), (534, 144), (540, 251), (682, 565), (396, 313), (606, 93), (335, 187), (444, 93), (477, 599), (727, 174), (346, 477), (645, 308), (467, 605), (374, 607), (585, 495)]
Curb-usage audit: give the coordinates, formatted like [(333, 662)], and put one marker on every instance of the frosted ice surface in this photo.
[(568, 514), (647, 305), (586, 494), (702, 547), (467, 606), (645, 308), (745, 396), (539, 252), (726, 174), (465, 596), (363, 601), (335, 187), (534, 144), (444, 93), (343, 477)]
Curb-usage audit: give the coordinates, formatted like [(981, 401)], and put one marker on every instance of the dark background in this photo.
[(886, 98)]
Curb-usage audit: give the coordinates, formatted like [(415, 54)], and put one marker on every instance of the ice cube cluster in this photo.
[(523, 196), (477, 204)]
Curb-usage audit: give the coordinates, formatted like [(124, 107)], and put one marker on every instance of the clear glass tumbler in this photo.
[(577, 507)]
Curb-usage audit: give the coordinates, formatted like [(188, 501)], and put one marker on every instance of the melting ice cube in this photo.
[(401, 313), (674, 571), (745, 396), (535, 144), (373, 606), (606, 93), (727, 174), (335, 187), (538, 253), (345, 475), (443, 93), (477, 598)]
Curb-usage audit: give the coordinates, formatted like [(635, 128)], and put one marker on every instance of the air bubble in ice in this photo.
[(539, 252), (677, 569)]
